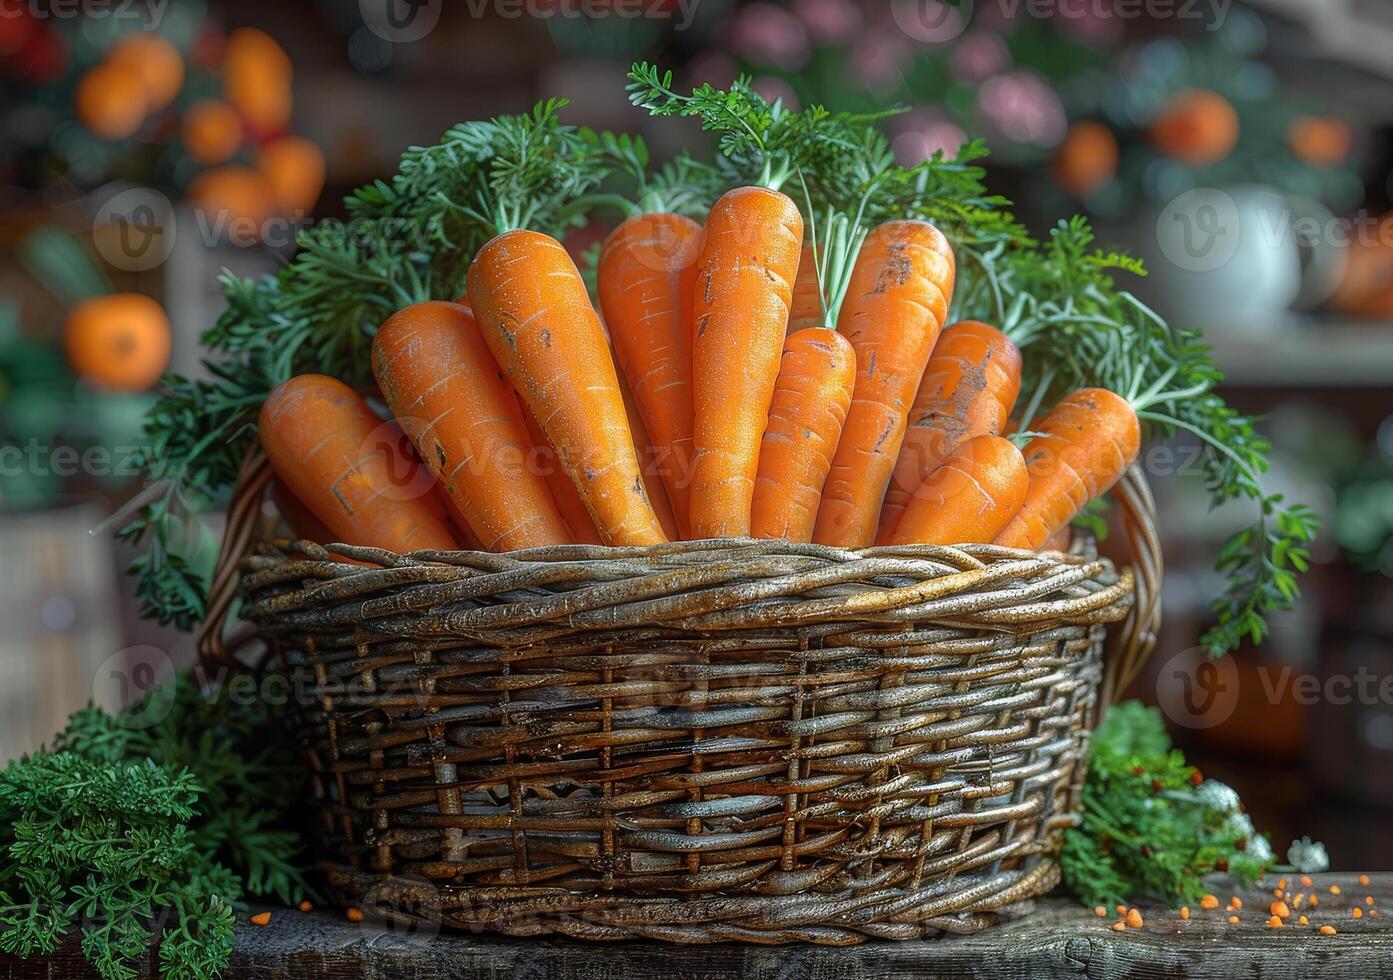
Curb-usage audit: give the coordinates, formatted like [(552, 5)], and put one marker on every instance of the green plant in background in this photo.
[(160, 819), (1151, 826)]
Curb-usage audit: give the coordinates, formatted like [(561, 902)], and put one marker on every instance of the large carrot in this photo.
[(646, 270), (650, 462), (894, 309), (816, 378), (806, 310), (325, 444), (968, 389), (968, 499), (1082, 448), (753, 240), (445, 389), (545, 460), (536, 316)]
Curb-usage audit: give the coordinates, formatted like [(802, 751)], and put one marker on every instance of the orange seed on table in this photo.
[(1327, 930), (1119, 927), (1209, 902), (1275, 922), (1306, 880), (1134, 919), (1364, 879), (1100, 912), (1279, 909), (1303, 921), (1368, 900), (1357, 912), (305, 906), (1233, 920), (261, 919), (1184, 911), (1334, 889)]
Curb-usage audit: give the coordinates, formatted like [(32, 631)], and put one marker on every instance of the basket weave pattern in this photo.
[(702, 741)]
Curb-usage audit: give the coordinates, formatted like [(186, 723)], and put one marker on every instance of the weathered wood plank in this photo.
[(1058, 939)]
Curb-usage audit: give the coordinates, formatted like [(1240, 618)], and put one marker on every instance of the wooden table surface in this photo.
[(1057, 939)]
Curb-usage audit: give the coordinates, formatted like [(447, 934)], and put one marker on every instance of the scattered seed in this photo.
[(1368, 900), (261, 919), (1296, 902), (354, 914), (1100, 912), (1279, 909), (1134, 919), (1364, 880), (1303, 921), (1327, 930), (1282, 884), (1306, 880), (1357, 912), (1209, 902), (306, 906), (1315, 899), (1334, 889), (1275, 922), (1122, 910), (1119, 927), (1184, 911), (1235, 902), (1373, 913), (1233, 920)]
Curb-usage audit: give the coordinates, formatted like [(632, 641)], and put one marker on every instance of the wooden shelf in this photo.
[(1306, 354)]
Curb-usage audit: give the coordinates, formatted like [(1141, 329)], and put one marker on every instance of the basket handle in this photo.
[(1134, 641), (243, 515)]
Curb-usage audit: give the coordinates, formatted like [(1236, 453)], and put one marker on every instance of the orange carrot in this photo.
[(646, 270), (967, 390), (805, 421), (299, 518), (445, 389), (806, 310), (1083, 447), (323, 442), (894, 309), (968, 499), (740, 306), (545, 460), (650, 463), (536, 316)]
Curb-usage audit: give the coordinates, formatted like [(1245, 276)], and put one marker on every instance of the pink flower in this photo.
[(709, 66), (878, 59), (920, 133), (978, 55), (773, 87), (768, 35), (1023, 107), (829, 21)]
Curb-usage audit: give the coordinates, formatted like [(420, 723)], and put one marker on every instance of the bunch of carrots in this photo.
[(738, 379)]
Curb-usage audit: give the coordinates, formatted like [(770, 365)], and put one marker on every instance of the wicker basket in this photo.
[(698, 742)]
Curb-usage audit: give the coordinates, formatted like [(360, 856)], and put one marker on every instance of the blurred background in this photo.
[(1242, 149)]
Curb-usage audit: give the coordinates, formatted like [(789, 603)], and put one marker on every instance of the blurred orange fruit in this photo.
[(294, 167), (234, 202), (1321, 141), (1087, 159), (158, 63), (119, 343), (1196, 127), (212, 131), (256, 80), (110, 101)]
